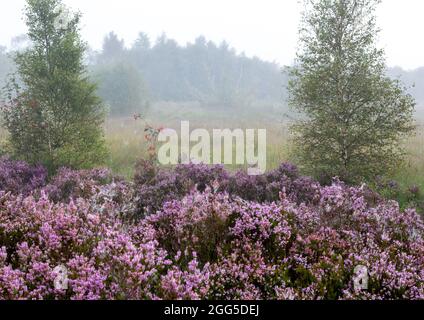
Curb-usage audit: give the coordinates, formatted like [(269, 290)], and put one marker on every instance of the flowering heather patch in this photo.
[(219, 236), (155, 186), (267, 188), (71, 184), (117, 197), (19, 177), (212, 246), (104, 258)]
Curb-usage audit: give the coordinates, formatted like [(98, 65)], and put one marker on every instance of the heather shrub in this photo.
[(190, 283), (197, 224), (155, 185), (207, 243), (164, 187), (71, 184), (345, 231), (145, 172), (103, 258), (203, 176), (267, 188), (288, 251), (407, 196), (19, 177), (118, 196), (253, 188)]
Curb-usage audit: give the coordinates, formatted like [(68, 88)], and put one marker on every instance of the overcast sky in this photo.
[(265, 28)]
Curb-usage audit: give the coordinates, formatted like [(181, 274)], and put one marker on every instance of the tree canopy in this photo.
[(53, 114), (353, 116)]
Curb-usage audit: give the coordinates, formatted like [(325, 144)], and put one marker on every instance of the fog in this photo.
[(207, 56), (263, 28)]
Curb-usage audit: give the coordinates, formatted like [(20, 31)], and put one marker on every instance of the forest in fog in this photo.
[(215, 75)]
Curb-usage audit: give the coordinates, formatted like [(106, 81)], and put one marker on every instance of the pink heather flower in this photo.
[(206, 235)]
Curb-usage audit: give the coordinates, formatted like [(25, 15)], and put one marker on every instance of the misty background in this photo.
[(148, 52)]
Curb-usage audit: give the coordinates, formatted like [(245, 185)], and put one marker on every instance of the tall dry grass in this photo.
[(125, 135), (126, 142)]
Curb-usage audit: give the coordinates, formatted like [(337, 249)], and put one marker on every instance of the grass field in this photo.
[(125, 136), (412, 173), (126, 142)]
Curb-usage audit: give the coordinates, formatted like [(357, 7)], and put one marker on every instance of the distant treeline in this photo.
[(215, 75)]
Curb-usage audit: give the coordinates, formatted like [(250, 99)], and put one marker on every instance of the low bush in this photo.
[(212, 246), (155, 186), (104, 259), (71, 184), (210, 236), (19, 177)]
